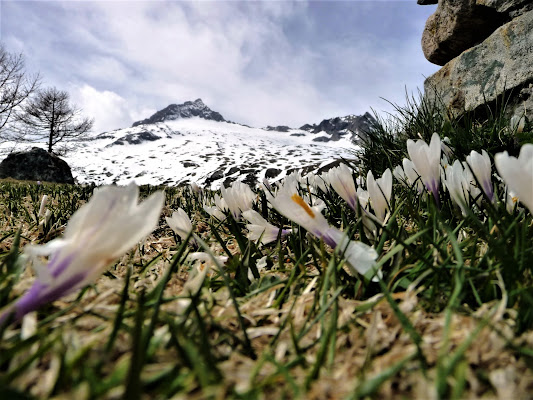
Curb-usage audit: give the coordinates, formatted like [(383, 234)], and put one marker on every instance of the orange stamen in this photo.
[(298, 200)]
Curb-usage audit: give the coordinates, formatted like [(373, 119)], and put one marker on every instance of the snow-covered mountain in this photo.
[(190, 143)]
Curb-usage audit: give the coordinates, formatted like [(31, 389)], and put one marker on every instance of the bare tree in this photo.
[(49, 116), (15, 86)]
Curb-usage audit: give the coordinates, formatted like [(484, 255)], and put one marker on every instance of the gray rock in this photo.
[(426, 2), (512, 8), (499, 65), (456, 26), (136, 138), (279, 128), (36, 165)]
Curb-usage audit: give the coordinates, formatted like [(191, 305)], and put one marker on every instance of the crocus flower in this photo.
[(445, 147), (239, 197), (399, 174), (341, 180), (359, 256), (180, 223), (196, 189), (98, 232), (480, 166), (42, 208), (510, 201), (203, 264), (517, 173), (517, 123), (426, 160), (380, 191), (315, 182), (261, 228), (457, 185), (218, 210)]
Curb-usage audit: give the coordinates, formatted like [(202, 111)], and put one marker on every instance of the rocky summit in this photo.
[(188, 109)]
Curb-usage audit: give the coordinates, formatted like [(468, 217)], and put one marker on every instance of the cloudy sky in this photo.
[(256, 62)]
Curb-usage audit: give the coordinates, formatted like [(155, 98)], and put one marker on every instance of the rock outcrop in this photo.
[(458, 25), (482, 64), (36, 165)]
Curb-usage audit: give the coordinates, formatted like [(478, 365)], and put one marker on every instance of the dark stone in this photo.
[(136, 138), (36, 165), (279, 128), (218, 174), (272, 172), (427, 2)]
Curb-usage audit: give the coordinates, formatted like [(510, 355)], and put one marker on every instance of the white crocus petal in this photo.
[(220, 203), (196, 189), (380, 191), (238, 197), (399, 174), (517, 123), (445, 147), (517, 173), (214, 211), (510, 201), (413, 178), (291, 205), (219, 209), (360, 257), (471, 185), (370, 228), (99, 232), (480, 165), (341, 180), (363, 197), (180, 223), (260, 227), (42, 208), (426, 160), (457, 185), (261, 264)]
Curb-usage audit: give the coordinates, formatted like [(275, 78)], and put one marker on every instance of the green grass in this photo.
[(451, 317)]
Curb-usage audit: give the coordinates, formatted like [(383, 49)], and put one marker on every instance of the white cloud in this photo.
[(125, 60), (109, 110)]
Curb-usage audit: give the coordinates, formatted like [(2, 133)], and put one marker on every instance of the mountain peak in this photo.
[(189, 109)]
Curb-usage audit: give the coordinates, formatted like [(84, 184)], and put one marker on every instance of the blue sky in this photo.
[(256, 62)]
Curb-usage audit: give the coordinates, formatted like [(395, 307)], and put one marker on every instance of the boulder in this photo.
[(456, 26), (36, 165), (500, 65)]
